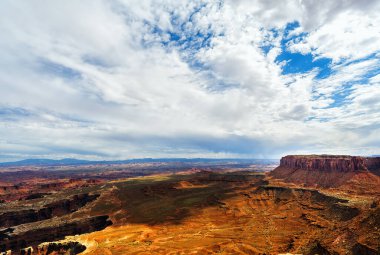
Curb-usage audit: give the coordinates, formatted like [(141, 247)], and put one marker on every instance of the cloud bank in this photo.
[(121, 79)]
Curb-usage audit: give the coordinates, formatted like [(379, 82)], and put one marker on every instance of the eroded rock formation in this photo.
[(330, 171), (71, 248), (328, 207), (19, 237), (54, 209), (325, 163), (373, 164)]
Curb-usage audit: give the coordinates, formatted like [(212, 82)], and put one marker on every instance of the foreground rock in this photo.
[(25, 224), (53, 209), (17, 238), (58, 248)]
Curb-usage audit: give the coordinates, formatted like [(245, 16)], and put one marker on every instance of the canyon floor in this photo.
[(194, 211)]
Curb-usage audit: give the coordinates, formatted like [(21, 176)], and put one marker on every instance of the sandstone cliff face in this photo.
[(373, 164), (330, 171), (325, 163), (55, 209), (23, 228), (19, 237)]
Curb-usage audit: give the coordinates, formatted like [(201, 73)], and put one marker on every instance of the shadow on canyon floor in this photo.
[(168, 200)]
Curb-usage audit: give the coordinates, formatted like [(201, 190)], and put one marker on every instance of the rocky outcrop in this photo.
[(332, 163), (325, 163), (24, 227), (71, 248), (21, 237), (330, 171), (329, 207), (55, 209), (373, 164)]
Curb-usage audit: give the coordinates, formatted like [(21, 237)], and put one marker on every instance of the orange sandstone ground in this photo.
[(211, 216), (202, 212)]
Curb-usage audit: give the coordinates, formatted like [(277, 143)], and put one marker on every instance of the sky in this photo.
[(119, 79)]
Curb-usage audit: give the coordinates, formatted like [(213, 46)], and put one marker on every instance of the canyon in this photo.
[(309, 204)]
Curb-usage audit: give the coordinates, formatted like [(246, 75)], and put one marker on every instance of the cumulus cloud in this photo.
[(120, 79)]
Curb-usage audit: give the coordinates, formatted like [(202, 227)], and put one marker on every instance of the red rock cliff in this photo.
[(354, 173), (330, 163), (373, 165)]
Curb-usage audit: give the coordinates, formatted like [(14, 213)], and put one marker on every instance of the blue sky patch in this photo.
[(266, 48), (297, 62), (340, 97)]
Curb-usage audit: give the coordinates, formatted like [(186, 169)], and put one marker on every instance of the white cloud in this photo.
[(103, 79), (347, 32)]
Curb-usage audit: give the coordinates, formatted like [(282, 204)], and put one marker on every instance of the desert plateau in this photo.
[(317, 204)]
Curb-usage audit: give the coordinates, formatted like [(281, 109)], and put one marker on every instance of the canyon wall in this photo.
[(19, 237), (55, 209), (331, 163), (373, 164), (348, 172)]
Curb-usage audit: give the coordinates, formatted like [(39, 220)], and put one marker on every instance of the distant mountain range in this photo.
[(73, 161)]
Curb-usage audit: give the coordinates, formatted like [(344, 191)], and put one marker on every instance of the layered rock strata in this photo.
[(54, 209), (17, 238), (325, 163), (350, 172)]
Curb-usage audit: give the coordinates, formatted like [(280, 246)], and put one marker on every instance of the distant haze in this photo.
[(191, 161)]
